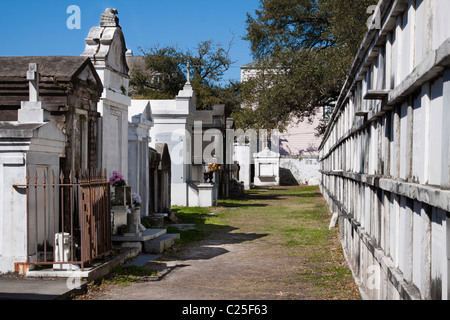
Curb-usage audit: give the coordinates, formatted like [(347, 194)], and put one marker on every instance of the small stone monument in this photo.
[(33, 111), (267, 168), (134, 223)]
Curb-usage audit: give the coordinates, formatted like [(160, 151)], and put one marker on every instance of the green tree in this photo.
[(165, 69), (304, 50), (162, 75)]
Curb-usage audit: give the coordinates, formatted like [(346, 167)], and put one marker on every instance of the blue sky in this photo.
[(39, 27)]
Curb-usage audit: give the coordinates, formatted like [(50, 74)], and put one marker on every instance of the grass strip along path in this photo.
[(274, 244)]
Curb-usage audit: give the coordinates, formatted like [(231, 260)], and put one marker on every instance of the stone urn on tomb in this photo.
[(122, 193), (210, 173), (122, 196), (208, 177)]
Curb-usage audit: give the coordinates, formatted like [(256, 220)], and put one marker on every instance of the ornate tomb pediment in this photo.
[(105, 44)]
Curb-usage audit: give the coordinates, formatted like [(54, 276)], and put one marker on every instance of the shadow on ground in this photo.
[(201, 250), (210, 240), (207, 241)]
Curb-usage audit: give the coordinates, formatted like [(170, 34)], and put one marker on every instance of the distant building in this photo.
[(300, 138), (298, 145)]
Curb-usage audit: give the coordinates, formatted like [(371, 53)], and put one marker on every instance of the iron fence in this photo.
[(68, 219)]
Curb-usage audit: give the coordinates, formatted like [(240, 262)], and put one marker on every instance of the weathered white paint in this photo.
[(23, 147), (242, 155), (387, 173), (303, 170), (138, 154), (267, 168), (173, 122), (105, 46)]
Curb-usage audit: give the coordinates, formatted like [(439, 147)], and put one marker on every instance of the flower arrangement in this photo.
[(136, 199), (117, 180), (213, 167)]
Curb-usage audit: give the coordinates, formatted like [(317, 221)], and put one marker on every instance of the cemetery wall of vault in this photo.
[(386, 153)]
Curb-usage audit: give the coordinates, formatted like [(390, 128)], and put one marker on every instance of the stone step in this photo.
[(146, 235), (161, 243)]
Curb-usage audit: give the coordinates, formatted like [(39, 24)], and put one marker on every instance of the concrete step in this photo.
[(161, 243), (148, 234), (128, 241), (96, 271)]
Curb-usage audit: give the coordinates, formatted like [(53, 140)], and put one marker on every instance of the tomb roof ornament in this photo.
[(187, 89), (109, 18), (33, 110), (105, 44), (33, 79), (188, 73)]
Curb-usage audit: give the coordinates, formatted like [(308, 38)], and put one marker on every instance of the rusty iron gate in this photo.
[(72, 211)]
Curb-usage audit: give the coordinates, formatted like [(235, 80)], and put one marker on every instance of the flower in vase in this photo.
[(117, 180), (213, 167), (136, 199)]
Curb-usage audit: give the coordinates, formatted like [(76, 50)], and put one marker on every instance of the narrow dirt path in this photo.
[(222, 270), (250, 260)]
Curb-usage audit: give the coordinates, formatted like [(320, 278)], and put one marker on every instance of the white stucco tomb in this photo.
[(173, 123), (267, 168), (26, 147), (242, 155), (140, 123), (105, 45)]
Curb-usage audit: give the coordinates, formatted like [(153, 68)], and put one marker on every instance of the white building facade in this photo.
[(385, 157), (298, 148)]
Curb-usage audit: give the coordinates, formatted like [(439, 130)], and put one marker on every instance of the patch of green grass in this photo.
[(295, 217), (205, 225), (302, 191), (190, 214), (125, 275), (303, 236), (333, 282), (186, 236), (231, 203), (326, 277)]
